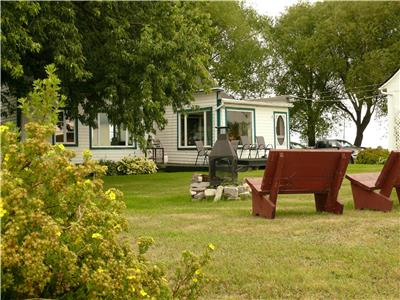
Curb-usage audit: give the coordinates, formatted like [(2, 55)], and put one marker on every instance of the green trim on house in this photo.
[(134, 147), (200, 109), (245, 109), (286, 129), (219, 101)]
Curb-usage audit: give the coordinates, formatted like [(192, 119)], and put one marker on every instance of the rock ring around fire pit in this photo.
[(200, 188)]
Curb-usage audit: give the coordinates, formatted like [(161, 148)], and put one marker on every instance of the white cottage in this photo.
[(391, 88), (267, 117)]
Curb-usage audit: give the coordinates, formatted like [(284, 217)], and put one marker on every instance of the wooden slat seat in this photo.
[(319, 172), (364, 186)]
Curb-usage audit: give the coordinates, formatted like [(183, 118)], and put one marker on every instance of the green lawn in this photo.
[(299, 255)]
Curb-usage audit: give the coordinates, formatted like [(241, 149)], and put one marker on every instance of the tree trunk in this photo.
[(361, 125), (311, 134), (359, 136)]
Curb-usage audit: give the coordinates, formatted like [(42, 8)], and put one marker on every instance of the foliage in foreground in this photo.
[(61, 231), (130, 166), (372, 156)]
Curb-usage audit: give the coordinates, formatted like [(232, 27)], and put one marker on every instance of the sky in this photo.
[(376, 133)]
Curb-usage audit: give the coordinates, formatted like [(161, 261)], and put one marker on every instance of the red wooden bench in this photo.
[(364, 186), (319, 172)]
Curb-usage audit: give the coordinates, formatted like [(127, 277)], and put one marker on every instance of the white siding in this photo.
[(393, 90), (9, 118), (264, 126), (108, 154), (6, 110), (264, 123), (169, 136)]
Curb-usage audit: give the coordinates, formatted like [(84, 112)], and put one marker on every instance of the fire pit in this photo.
[(223, 160)]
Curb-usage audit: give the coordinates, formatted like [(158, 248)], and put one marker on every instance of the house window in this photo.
[(240, 123), (109, 135), (195, 126), (280, 130), (65, 130)]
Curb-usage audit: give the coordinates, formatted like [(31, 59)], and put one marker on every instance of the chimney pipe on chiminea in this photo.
[(222, 160)]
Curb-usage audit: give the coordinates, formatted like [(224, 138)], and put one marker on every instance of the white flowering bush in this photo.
[(134, 165), (60, 230)]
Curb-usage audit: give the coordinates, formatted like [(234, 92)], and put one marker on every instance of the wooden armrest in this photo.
[(255, 183), (365, 180)]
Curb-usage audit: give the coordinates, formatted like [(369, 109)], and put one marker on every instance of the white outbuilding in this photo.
[(391, 88)]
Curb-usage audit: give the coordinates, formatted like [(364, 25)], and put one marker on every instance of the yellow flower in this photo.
[(88, 182), (133, 288), (3, 128), (198, 271), (6, 157), (111, 195), (195, 280), (138, 271), (69, 168), (130, 277), (100, 270), (87, 154), (58, 233), (97, 235), (211, 247), (60, 146), (2, 212), (143, 293)]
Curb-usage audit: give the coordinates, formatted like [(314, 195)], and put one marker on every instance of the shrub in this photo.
[(60, 233), (133, 165), (111, 166), (372, 156)]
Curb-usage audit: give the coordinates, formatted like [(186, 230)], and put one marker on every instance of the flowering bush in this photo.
[(111, 166), (372, 156), (136, 165), (60, 230)]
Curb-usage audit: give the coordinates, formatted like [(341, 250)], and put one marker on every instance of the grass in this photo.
[(299, 255)]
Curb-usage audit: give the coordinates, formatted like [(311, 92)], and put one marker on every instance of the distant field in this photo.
[(299, 255)]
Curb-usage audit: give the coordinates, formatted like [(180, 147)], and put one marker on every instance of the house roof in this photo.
[(280, 101), (387, 82)]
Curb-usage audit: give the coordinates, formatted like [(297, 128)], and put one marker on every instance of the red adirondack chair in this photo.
[(364, 185), (296, 171)]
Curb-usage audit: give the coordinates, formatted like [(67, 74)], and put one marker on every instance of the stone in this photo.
[(196, 178), (241, 189), (210, 193), (199, 186), (218, 193), (231, 191), (199, 196), (192, 193), (245, 195), (247, 187)]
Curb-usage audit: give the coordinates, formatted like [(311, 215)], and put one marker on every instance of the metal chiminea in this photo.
[(223, 160)]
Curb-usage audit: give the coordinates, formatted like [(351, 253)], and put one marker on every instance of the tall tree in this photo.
[(239, 56), (363, 39), (301, 69), (129, 59)]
